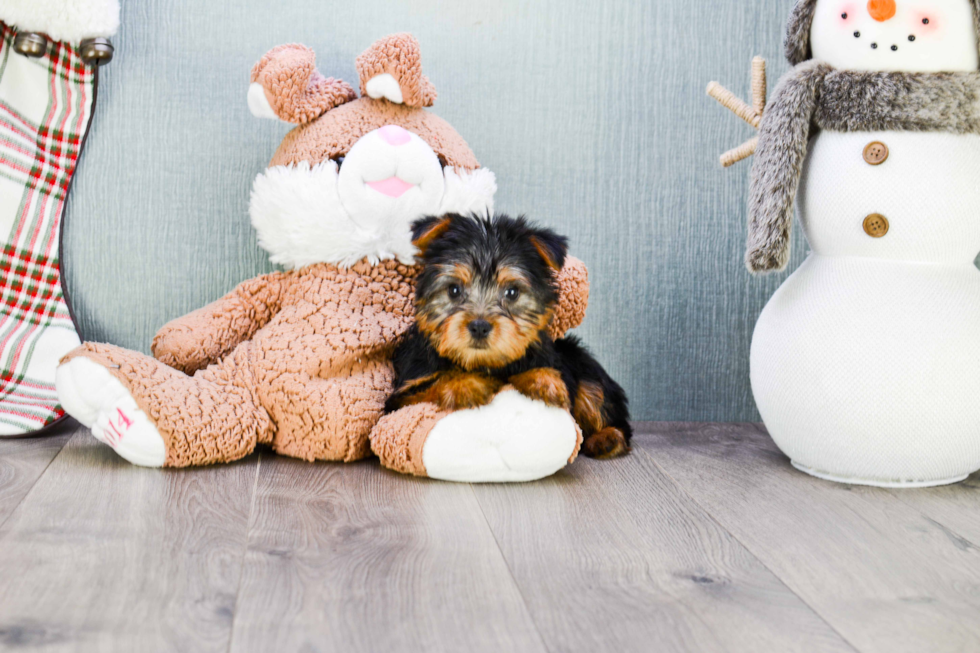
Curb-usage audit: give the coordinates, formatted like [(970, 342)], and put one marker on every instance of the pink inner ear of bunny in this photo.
[(296, 91), (398, 55)]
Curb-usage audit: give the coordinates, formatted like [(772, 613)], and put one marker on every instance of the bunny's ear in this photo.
[(287, 86), (392, 69)]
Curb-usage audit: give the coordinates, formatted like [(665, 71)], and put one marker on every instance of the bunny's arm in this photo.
[(573, 297), (203, 337)]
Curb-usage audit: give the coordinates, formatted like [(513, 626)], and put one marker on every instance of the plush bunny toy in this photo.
[(866, 362), (299, 360)]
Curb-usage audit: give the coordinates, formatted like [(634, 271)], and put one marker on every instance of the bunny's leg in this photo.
[(328, 419), (512, 439), (156, 416)]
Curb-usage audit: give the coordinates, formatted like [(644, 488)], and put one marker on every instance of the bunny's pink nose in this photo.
[(394, 135)]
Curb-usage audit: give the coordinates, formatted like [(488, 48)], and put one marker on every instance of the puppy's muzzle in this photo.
[(480, 329)]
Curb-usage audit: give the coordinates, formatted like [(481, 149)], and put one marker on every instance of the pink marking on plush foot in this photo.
[(395, 135), (123, 419), (116, 432), (392, 186)]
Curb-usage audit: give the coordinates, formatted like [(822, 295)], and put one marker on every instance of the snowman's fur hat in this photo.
[(797, 44)]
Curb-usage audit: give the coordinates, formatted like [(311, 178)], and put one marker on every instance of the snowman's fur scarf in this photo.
[(783, 137), (877, 101), (815, 95), (797, 43)]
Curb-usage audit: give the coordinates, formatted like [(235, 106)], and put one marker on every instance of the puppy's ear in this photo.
[(552, 248), (428, 230)]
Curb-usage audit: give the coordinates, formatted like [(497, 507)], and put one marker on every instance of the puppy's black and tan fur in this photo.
[(484, 299)]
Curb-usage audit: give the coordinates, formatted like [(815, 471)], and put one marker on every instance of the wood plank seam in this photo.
[(639, 450), (40, 476), (950, 530), (510, 572), (248, 536)]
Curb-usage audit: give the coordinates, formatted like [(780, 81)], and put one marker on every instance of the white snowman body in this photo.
[(865, 364)]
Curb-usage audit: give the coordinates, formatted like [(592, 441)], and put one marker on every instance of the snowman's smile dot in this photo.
[(894, 48), (911, 37), (857, 35), (874, 46)]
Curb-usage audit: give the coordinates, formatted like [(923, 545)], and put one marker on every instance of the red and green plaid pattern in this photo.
[(45, 106)]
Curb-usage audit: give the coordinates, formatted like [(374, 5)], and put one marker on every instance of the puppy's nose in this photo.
[(882, 10), (480, 329), (394, 135)]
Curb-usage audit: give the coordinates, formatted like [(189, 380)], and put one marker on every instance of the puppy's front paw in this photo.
[(448, 390), (462, 390), (544, 384)]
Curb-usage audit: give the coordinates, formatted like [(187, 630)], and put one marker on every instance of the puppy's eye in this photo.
[(512, 293), (454, 291)]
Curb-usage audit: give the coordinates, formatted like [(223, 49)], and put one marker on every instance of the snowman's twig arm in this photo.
[(750, 114), (783, 138), (740, 153), (759, 85), (728, 100)]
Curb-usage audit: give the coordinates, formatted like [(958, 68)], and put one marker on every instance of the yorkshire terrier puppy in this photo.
[(483, 301)]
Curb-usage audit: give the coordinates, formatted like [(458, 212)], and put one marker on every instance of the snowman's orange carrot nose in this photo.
[(882, 10)]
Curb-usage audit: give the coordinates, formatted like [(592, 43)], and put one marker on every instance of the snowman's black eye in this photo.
[(911, 37), (925, 21), (844, 15)]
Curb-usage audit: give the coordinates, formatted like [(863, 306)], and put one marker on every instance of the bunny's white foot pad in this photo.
[(513, 439), (90, 394)]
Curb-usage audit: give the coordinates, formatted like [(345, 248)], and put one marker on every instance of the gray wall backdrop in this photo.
[(592, 113)]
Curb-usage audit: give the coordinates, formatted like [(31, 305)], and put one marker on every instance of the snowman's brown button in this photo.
[(876, 153), (876, 225)]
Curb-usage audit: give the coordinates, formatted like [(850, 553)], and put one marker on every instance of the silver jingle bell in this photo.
[(31, 44), (96, 52)]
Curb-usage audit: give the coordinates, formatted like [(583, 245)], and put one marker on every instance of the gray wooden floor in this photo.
[(704, 539)]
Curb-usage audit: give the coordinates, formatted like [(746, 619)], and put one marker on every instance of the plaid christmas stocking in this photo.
[(46, 105)]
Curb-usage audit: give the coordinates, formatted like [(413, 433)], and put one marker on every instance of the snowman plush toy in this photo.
[(865, 364)]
